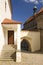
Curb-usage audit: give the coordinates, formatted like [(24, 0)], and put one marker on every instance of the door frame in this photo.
[(8, 36)]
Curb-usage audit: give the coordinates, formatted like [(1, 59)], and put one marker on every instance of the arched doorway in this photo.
[(25, 45)]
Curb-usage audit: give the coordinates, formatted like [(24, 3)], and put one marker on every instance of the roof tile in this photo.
[(8, 21), (35, 15)]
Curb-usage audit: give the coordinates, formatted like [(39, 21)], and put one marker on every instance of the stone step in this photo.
[(8, 53), (2, 59), (8, 56), (8, 47)]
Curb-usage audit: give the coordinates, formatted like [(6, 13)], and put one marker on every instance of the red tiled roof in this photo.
[(41, 10), (8, 21), (35, 15)]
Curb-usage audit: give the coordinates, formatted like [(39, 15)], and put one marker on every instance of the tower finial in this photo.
[(34, 9)]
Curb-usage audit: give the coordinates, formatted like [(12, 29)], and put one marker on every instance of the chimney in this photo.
[(34, 9)]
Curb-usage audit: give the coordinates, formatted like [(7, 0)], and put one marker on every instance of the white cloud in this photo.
[(41, 1), (26, 1), (34, 1)]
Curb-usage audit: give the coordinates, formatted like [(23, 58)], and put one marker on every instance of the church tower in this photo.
[(5, 9), (8, 8), (5, 12)]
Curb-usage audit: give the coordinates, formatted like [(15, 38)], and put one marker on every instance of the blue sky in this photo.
[(23, 9)]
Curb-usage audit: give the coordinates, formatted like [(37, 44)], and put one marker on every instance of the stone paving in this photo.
[(21, 63), (26, 59), (32, 58)]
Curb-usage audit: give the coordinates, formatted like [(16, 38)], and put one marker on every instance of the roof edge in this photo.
[(32, 17), (9, 21)]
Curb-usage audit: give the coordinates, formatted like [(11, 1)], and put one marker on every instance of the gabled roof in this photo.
[(8, 21), (35, 15)]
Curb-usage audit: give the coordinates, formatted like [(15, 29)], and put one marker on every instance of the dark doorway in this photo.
[(10, 37), (25, 46)]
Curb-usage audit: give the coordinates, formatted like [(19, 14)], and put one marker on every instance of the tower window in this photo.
[(5, 6)]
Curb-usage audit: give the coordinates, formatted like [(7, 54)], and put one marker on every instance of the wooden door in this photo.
[(10, 37)]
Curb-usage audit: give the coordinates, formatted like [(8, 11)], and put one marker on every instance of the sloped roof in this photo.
[(35, 15), (8, 21)]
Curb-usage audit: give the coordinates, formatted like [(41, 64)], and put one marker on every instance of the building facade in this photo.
[(35, 22), (11, 33), (9, 29), (4, 9)]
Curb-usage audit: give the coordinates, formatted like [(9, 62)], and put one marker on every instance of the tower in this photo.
[(34, 9), (5, 12), (8, 9), (5, 9)]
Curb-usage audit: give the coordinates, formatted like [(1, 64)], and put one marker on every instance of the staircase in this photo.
[(8, 52)]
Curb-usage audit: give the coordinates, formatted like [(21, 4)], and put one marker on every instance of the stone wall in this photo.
[(40, 27), (40, 21), (31, 25), (36, 23), (41, 38)]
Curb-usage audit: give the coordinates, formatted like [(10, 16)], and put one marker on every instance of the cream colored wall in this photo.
[(33, 38), (35, 41)]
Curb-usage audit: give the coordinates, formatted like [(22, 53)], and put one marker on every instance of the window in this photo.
[(5, 6)]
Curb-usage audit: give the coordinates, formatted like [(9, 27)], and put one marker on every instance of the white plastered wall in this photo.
[(3, 14), (18, 37), (8, 10), (8, 27)]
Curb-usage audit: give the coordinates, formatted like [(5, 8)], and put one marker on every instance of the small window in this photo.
[(5, 6)]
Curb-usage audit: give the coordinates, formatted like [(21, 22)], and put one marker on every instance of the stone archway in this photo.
[(25, 45)]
